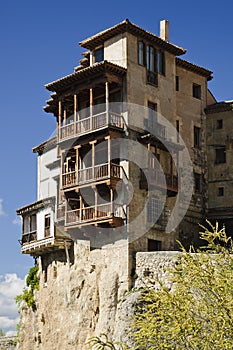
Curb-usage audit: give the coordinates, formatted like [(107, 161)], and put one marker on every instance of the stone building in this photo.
[(127, 172)]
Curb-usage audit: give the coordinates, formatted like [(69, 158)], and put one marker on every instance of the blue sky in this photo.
[(39, 43)]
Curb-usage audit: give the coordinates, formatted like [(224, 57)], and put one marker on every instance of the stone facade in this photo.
[(8, 343)]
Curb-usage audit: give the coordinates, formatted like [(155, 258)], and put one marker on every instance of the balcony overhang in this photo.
[(36, 206), (82, 75), (44, 246)]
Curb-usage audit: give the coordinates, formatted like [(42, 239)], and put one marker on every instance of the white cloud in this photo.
[(17, 221), (10, 286), (2, 213)]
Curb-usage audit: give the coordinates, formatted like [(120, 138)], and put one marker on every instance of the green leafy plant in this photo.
[(197, 311), (32, 284), (102, 343)]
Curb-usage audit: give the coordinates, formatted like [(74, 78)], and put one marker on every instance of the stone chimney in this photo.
[(164, 30)]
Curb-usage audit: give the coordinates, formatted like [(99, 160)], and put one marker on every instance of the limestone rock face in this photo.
[(77, 300)]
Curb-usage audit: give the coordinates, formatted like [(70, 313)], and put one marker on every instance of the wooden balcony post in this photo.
[(77, 163), (109, 155), (62, 169), (59, 119), (92, 143), (64, 115), (75, 109), (107, 101), (171, 168), (91, 108), (111, 201), (66, 209), (96, 204), (81, 207)]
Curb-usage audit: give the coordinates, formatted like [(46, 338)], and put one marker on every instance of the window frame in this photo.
[(220, 191), (197, 91), (197, 137), (219, 124), (99, 49), (220, 158)]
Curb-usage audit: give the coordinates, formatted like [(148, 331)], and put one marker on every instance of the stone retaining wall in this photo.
[(7, 343), (152, 266)]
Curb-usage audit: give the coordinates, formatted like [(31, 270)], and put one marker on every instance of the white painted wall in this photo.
[(41, 223), (47, 186), (115, 50)]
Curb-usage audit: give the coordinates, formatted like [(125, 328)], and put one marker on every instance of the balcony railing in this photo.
[(94, 213), (91, 123), (156, 178), (61, 212), (96, 173), (29, 237)]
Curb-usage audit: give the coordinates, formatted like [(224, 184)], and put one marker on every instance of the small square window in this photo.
[(197, 91), (220, 155), (220, 191), (219, 124), (154, 245), (99, 55)]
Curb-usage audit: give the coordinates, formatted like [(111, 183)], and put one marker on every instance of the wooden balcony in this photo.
[(97, 173), (156, 179), (44, 246), (92, 123), (29, 237), (61, 212), (102, 213)]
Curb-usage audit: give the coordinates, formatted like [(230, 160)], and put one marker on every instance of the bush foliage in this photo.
[(32, 284)]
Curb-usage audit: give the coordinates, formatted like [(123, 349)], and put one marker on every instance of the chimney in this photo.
[(164, 30)]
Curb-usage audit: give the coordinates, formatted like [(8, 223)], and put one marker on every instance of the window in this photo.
[(197, 137), (153, 210), (153, 59), (220, 155), (154, 245), (197, 182), (152, 114), (220, 191), (219, 124), (197, 91), (99, 55), (161, 62), (177, 83), (141, 53), (47, 225)]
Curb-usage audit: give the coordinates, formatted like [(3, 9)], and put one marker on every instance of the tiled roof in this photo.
[(126, 26), (194, 68), (84, 73), (223, 106), (35, 206), (46, 145)]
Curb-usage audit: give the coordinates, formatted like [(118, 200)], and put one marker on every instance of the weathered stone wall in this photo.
[(88, 298), (7, 343), (153, 266), (76, 301)]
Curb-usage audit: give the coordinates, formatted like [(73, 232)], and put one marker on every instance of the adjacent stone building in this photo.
[(131, 169)]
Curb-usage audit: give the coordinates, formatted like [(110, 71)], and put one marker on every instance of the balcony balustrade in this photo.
[(29, 237), (155, 178), (91, 174), (101, 212), (91, 123)]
